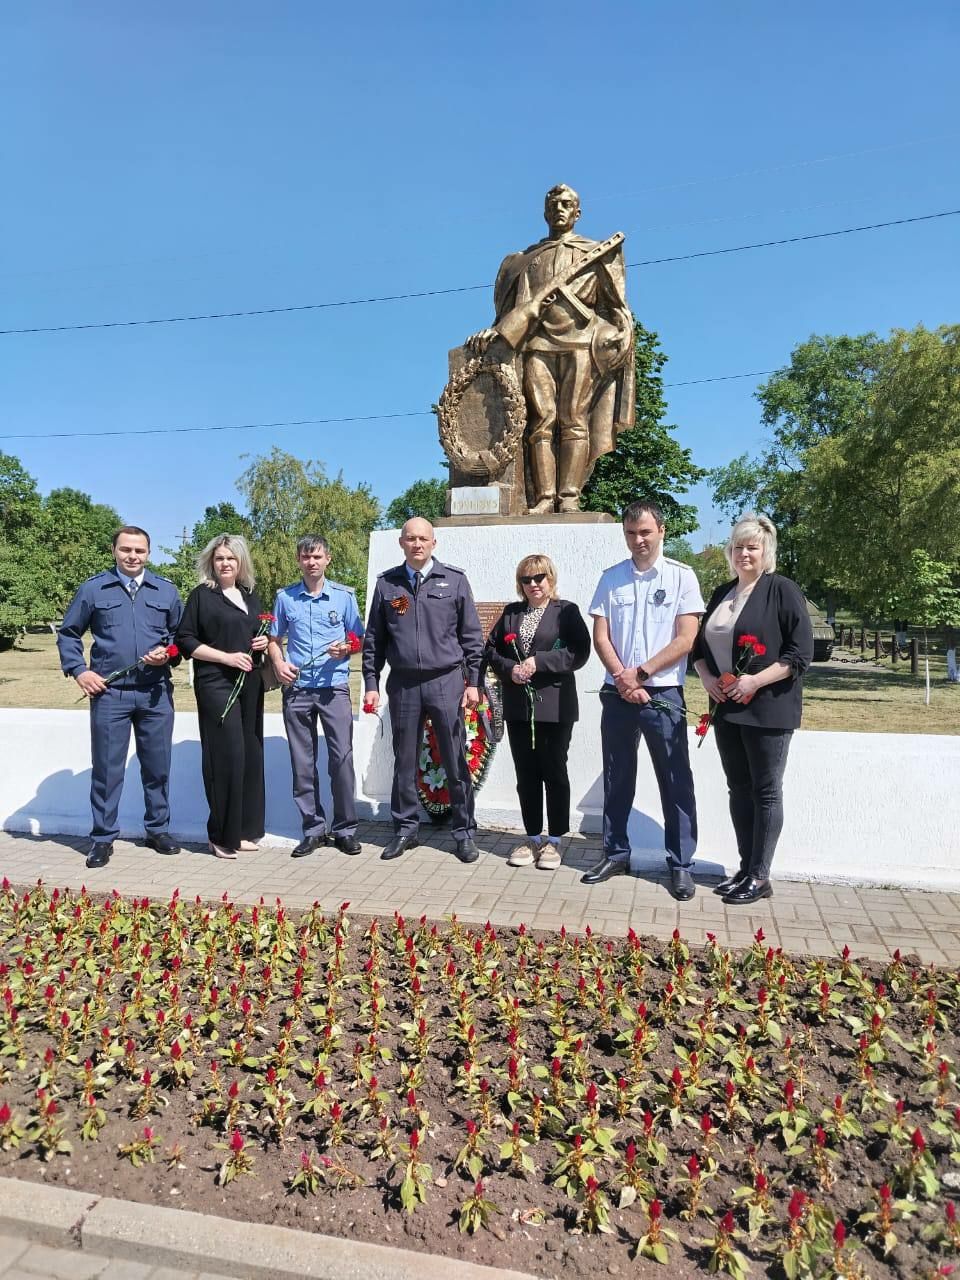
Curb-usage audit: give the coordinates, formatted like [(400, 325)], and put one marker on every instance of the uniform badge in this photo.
[(334, 617), (659, 596), (400, 604)]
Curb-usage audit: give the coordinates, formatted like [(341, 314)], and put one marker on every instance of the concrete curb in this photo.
[(163, 1237)]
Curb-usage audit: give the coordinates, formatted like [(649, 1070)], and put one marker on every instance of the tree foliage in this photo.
[(48, 546), (221, 518), (888, 486), (647, 461), (424, 498), (287, 498)]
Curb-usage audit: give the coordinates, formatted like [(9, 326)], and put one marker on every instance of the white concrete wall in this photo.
[(872, 808)]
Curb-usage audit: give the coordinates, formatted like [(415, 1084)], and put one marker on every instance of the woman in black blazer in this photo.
[(539, 702), (219, 630), (757, 712)]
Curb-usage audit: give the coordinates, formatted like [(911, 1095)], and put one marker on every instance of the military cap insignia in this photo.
[(400, 604)]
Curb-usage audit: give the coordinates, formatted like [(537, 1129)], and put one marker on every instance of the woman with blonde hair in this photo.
[(535, 647), (755, 642), (222, 631)]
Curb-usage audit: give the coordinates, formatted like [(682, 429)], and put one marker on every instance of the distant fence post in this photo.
[(914, 657)]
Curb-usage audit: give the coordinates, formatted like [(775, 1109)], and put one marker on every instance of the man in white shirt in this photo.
[(645, 614)]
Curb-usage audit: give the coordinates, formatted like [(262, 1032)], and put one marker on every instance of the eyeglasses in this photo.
[(533, 577)]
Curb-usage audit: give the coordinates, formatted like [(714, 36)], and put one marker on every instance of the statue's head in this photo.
[(561, 207)]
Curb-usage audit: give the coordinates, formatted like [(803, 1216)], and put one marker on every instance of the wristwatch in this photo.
[(642, 675)]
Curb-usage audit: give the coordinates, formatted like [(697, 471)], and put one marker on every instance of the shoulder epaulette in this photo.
[(342, 586), (680, 564)]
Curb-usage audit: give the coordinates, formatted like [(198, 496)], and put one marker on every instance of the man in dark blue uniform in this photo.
[(132, 615), (423, 622)]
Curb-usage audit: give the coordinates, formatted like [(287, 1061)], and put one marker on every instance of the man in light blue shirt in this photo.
[(322, 626), (645, 618)]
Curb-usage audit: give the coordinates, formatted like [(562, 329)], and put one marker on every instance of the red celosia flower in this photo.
[(726, 1223), (796, 1206), (236, 1142), (655, 1210), (839, 1234), (918, 1142)]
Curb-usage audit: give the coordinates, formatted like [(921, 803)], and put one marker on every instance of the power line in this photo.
[(469, 288), (317, 422)]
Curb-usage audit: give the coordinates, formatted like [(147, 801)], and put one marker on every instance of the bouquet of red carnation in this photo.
[(172, 652), (265, 621), (750, 647)]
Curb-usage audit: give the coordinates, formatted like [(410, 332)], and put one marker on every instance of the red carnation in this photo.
[(267, 617), (510, 638), (353, 640), (747, 640), (173, 651), (759, 649)]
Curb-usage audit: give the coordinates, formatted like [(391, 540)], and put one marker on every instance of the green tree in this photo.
[(47, 547), (426, 498), (287, 498), (647, 461), (886, 487), (824, 392), (182, 567), (710, 566)]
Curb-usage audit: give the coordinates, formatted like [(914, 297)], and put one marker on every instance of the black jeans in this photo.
[(540, 769), (754, 761)]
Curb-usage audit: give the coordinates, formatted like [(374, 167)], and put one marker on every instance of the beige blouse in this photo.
[(720, 627)]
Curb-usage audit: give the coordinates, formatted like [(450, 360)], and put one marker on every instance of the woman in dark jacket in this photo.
[(755, 642), (535, 647), (219, 631)]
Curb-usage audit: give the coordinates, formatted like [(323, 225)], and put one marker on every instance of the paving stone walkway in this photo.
[(803, 917), (21, 1260)]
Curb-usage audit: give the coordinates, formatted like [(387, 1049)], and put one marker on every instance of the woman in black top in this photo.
[(551, 642), (757, 712), (219, 632)]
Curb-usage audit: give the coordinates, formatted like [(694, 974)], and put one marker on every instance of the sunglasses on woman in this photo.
[(531, 578)]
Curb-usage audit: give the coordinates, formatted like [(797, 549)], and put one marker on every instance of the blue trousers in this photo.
[(412, 699), (149, 710), (622, 724)]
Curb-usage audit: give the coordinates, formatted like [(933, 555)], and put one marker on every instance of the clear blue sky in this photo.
[(167, 159)]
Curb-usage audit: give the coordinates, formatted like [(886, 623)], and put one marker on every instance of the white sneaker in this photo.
[(549, 858), (522, 856)]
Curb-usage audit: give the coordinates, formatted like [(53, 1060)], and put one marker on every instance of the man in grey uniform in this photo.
[(318, 618), (132, 614), (423, 622)]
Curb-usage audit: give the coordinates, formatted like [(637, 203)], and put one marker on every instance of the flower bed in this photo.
[(556, 1104)]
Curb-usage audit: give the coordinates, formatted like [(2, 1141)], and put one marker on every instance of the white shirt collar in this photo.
[(648, 574), (126, 581)]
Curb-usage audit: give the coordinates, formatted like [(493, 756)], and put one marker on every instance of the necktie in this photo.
[(416, 582), (132, 588)]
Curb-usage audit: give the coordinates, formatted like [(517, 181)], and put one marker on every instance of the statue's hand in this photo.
[(478, 342)]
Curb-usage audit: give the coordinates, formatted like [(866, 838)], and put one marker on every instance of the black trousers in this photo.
[(232, 759), (754, 761), (542, 768)]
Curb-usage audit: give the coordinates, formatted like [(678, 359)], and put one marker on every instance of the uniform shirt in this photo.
[(641, 608), (123, 630), (312, 624), (432, 630)]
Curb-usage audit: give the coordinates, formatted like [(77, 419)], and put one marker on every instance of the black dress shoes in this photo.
[(619, 866), (731, 882), (466, 850), (347, 844), (162, 843), (681, 884), (749, 890), (400, 844), (98, 855), (309, 844)]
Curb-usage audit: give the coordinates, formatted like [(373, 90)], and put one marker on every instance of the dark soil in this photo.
[(95, 993)]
